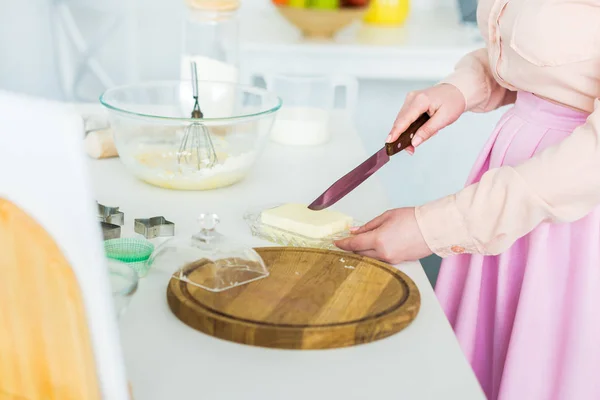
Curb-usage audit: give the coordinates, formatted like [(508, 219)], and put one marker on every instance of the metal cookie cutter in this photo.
[(110, 231), (154, 227), (110, 215)]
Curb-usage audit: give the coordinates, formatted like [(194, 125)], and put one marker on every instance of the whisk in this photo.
[(196, 150)]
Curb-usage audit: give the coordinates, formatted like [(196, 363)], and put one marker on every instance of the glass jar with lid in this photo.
[(211, 39)]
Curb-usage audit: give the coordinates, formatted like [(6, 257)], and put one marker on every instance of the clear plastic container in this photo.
[(124, 284), (287, 238), (208, 259), (304, 119)]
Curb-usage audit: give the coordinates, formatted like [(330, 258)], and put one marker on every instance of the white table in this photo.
[(168, 360)]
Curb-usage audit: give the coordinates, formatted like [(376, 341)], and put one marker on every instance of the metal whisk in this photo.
[(196, 150)]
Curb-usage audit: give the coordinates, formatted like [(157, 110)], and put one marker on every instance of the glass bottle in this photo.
[(211, 39)]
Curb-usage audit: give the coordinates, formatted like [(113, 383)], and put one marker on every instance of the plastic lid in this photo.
[(214, 5), (208, 260)]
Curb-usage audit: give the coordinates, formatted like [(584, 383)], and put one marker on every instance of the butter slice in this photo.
[(298, 219)]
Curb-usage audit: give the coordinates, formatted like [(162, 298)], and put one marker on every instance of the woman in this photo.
[(520, 279)]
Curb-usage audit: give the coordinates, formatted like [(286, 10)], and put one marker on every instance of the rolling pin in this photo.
[(99, 143)]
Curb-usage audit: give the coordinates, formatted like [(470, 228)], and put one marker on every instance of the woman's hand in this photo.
[(392, 237), (444, 103)]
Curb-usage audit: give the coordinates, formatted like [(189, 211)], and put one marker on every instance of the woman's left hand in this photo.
[(392, 237)]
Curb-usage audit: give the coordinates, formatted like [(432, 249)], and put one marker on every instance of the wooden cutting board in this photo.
[(312, 299)]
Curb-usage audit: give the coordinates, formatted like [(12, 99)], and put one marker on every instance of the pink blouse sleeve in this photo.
[(560, 184), (474, 78)]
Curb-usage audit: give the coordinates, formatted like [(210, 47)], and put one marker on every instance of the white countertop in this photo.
[(168, 360), (426, 48)]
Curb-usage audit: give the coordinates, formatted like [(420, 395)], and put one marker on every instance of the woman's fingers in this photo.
[(360, 242), (444, 103), (409, 114), (438, 121), (365, 237), (369, 226)]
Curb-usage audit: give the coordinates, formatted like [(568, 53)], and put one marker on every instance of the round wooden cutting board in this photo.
[(312, 299)]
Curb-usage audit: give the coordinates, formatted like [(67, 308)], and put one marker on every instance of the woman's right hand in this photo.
[(444, 103)]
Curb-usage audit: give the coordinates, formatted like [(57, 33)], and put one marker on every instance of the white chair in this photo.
[(58, 329)]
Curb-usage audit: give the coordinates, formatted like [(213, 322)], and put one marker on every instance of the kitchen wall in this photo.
[(26, 57), (29, 63)]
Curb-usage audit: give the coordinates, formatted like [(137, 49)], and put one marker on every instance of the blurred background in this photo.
[(72, 50)]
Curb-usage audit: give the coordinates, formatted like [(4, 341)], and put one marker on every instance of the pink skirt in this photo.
[(528, 320)]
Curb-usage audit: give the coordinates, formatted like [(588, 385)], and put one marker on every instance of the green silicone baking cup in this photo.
[(128, 249)]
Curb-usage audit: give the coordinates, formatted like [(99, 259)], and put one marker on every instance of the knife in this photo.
[(358, 175)]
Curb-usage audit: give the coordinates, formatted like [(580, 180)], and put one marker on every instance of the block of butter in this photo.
[(298, 219)]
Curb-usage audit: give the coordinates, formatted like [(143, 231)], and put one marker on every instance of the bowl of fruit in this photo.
[(321, 18)]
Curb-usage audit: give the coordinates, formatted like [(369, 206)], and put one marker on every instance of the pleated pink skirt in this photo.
[(528, 320)]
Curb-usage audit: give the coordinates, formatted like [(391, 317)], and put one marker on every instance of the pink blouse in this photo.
[(550, 48)]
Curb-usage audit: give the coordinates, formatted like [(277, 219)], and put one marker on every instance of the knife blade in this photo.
[(358, 175)]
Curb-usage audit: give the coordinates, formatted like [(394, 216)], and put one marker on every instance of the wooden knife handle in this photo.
[(406, 137)]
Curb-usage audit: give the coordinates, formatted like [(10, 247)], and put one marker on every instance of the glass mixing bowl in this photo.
[(149, 121)]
